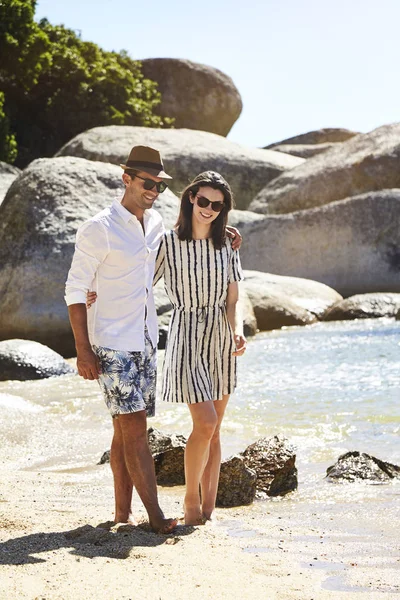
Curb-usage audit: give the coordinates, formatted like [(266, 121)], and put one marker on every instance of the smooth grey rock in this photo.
[(366, 163), (365, 306), (246, 312), (186, 153), (353, 245), (359, 466), (38, 223), (273, 459), (312, 296), (303, 150), (197, 96), (24, 360), (8, 174), (319, 136), (237, 483)]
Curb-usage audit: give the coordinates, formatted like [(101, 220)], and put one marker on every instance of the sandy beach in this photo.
[(52, 546)]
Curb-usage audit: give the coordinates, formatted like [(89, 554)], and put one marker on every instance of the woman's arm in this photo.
[(234, 318)]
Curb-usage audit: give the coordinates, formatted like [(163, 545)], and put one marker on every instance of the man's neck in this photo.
[(132, 208)]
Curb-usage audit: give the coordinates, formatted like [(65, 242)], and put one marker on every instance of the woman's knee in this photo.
[(205, 427)]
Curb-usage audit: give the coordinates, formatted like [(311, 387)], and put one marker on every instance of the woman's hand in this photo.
[(235, 236), (241, 345), (91, 298)]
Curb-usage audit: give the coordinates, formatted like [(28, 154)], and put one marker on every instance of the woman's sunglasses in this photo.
[(149, 184), (205, 202)]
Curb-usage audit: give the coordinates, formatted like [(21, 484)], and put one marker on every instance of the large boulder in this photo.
[(23, 360), (364, 306), (273, 459), (365, 163), (38, 222), (353, 245), (303, 150), (326, 135), (359, 466), (196, 96), (7, 175), (311, 296), (186, 153)]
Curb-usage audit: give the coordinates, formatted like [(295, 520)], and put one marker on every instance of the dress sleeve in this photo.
[(235, 268), (160, 262)]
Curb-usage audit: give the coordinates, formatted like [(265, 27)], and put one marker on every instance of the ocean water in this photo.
[(328, 387)]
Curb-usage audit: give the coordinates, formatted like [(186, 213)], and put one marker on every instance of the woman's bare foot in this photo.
[(193, 515)]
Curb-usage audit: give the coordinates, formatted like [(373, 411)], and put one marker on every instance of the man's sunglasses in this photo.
[(149, 184), (205, 202)]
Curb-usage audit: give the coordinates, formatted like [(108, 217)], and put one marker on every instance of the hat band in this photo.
[(142, 163)]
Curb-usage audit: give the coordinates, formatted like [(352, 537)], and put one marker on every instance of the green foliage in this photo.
[(57, 85), (8, 143)]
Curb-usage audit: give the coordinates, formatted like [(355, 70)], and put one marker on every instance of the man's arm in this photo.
[(87, 362), (90, 250)]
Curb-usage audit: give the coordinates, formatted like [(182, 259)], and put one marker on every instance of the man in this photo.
[(116, 340)]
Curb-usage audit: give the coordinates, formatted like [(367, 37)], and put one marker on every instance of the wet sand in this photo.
[(53, 548)]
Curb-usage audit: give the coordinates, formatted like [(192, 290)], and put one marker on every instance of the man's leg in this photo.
[(140, 466), (123, 485)]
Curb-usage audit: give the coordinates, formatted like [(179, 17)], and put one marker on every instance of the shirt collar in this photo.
[(125, 215)]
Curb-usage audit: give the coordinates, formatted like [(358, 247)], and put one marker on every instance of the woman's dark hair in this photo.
[(218, 226)]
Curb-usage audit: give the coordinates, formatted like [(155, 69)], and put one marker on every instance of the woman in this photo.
[(201, 274)]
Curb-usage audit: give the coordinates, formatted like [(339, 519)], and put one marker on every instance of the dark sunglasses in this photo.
[(149, 184), (205, 202)]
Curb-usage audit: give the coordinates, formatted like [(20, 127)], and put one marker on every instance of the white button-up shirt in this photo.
[(115, 258)]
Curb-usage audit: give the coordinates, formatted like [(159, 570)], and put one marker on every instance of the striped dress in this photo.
[(198, 363)]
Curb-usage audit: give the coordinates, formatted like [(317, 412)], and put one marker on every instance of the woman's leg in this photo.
[(209, 481), (205, 419)]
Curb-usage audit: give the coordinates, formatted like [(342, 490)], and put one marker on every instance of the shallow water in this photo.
[(329, 388)]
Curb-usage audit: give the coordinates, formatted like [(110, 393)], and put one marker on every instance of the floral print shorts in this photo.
[(128, 379)]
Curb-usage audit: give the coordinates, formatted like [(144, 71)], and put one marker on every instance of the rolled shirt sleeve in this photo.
[(91, 248)]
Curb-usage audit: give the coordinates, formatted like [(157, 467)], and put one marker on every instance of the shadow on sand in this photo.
[(107, 539)]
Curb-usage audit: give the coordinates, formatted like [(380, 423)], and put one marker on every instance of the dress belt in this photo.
[(202, 310)]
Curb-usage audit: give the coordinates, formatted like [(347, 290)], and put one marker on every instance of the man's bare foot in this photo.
[(125, 519), (165, 526)]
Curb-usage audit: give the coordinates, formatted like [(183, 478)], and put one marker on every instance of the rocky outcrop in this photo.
[(197, 96), (7, 175), (364, 306), (168, 452), (353, 245), (186, 153), (319, 136), (359, 466), (366, 163), (303, 150), (237, 483), (273, 459), (293, 299), (24, 360), (38, 223)]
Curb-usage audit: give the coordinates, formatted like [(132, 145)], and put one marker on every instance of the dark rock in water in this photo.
[(24, 359), (273, 459), (365, 306), (168, 452), (358, 466), (237, 483)]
